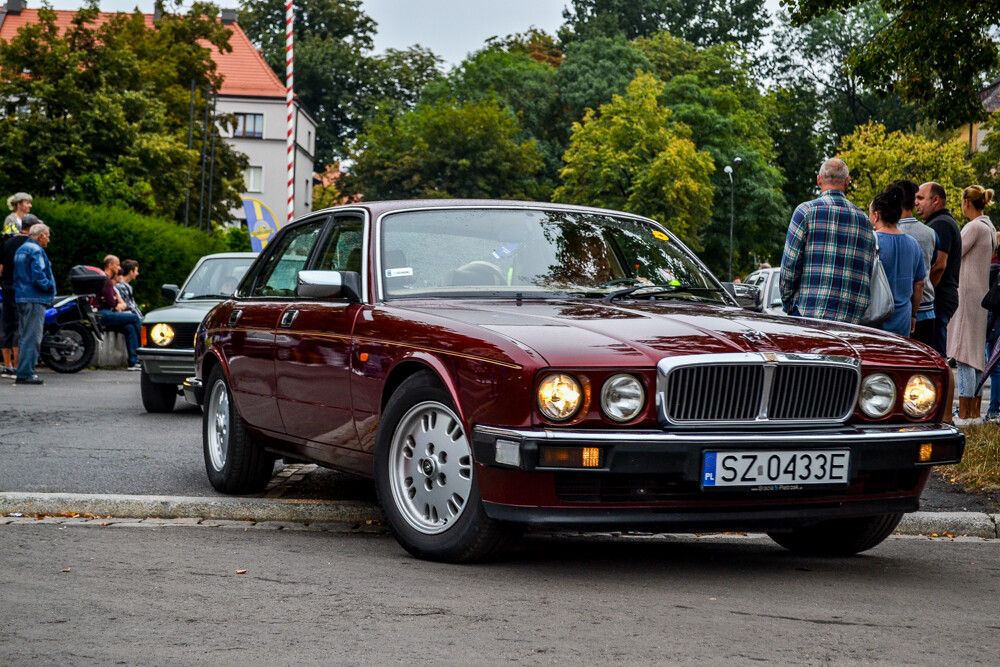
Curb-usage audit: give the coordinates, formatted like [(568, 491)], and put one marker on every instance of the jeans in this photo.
[(31, 324), (129, 324), (941, 333), (994, 407), (968, 378)]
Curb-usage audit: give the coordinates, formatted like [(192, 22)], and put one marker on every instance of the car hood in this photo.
[(574, 333), (181, 312)]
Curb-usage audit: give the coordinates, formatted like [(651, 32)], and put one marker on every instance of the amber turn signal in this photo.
[(926, 451), (569, 457)]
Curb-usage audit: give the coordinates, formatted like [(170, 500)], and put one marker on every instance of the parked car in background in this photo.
[(166, 348), (500, 364), (767, 281)]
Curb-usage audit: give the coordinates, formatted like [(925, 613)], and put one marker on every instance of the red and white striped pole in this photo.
[(290, 104)]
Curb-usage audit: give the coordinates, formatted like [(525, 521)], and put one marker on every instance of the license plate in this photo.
[(783, 468)]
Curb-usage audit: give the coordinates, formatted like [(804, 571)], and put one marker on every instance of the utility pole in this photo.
[(290, 102)]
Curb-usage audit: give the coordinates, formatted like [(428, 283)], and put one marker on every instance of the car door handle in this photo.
[(234, 317), (288, 317)]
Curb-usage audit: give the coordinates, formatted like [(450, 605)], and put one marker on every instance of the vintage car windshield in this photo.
[(215, 278), (525, 253)]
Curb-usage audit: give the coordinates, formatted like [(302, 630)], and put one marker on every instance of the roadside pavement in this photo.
[(64, 457)]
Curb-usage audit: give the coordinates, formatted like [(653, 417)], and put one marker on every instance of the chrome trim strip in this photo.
[(770, 361), (845, 434)]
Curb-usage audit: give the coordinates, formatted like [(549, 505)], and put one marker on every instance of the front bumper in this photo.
[(166, 365), (651, 480), (194, 391)]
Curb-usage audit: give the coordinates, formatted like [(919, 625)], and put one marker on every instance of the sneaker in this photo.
[(8, 372), (31, 380), (992, 415), (134, 367), (971, 421)]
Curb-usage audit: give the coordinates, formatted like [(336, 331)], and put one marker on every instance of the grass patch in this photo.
[(980, 466)]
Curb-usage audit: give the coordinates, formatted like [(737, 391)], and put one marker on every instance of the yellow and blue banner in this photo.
[(261, 223)]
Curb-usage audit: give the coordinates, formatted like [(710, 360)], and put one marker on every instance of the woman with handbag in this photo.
[(902, 260), (967, 329)]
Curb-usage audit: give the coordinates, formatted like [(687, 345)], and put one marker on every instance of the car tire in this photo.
[(234, 461), (838, 537), (157, 397), (425, 477)]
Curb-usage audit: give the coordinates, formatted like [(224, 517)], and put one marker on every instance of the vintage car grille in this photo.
[(756, 389)]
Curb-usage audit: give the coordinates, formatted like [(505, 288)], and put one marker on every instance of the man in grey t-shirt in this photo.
[(927, 239)]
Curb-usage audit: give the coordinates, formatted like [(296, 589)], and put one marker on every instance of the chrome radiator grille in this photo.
[(756, 389)]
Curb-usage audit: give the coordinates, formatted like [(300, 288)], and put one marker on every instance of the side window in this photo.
[(279, 274), (343, 247)]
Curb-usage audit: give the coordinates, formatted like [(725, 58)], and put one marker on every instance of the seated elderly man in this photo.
[(114, 315)]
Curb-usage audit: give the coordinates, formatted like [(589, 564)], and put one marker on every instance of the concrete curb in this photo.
[(236, 509), (973, 524)]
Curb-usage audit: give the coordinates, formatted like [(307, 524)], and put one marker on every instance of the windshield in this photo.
[(216, 278), (521, 253)]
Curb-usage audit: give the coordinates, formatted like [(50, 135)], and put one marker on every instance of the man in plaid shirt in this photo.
[(829, 251)]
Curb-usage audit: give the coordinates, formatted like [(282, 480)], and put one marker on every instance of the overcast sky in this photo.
[(449, 28)]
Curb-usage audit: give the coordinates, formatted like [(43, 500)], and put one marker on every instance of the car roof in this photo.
[(378, 208)]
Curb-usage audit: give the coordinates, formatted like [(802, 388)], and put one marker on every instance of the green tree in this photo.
[(103, 114), (523, 85), (816, 53), (877, 157), (594, 70), (634, 156), (986, 162), (701, 22), (799, 148), (936, 54), (713, 92), (443, 150), (337, 79)]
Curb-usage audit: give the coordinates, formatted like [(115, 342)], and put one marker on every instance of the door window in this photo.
[(343, 247), (278, 276)]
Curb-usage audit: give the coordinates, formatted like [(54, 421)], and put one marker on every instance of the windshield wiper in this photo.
[(657, 290)]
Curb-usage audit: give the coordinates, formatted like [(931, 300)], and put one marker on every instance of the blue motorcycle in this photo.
[(70, 335)]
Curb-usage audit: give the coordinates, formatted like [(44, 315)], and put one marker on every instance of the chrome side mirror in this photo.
[(748, 296), (329, 285)]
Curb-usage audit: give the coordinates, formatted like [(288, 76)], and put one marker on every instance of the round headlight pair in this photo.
[(878, 396), (560, 396), (162, 334)]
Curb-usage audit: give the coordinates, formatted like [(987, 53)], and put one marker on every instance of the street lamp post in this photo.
[(732, 208)]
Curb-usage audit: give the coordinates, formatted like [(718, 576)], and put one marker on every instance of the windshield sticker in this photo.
[(660, 235), (506, 250), (399, 273)]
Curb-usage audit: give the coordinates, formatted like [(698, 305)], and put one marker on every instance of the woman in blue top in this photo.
[(902, 259)]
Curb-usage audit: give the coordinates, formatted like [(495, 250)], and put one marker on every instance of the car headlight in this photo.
[(162, 334), (919, 396), (622, 398), (559, 396), (878, 395)]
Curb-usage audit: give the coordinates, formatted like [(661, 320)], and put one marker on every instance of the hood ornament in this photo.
[(753, 335)]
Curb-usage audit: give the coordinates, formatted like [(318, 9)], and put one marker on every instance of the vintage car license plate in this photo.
[(755, 468)]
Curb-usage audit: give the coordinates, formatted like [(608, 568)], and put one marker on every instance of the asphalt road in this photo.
[(76, 595), (88, 433)]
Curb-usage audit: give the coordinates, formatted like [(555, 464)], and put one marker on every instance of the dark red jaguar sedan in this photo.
[(500, 364)]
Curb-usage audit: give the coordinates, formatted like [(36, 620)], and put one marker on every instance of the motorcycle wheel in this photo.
[(79, 350)]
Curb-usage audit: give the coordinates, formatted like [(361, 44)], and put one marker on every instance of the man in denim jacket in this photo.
[(34, 288)]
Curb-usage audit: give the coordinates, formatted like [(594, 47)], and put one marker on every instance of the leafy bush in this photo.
[(84, 234)]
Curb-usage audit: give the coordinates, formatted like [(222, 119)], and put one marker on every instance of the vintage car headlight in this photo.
[(878, 395), (162, 334), (622, 398), (919, 396), (559, 396)]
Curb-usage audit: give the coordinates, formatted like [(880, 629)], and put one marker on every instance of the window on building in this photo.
[(254, 178), (250, 125)]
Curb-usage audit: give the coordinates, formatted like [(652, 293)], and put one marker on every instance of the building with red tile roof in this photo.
[(252, 92)]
